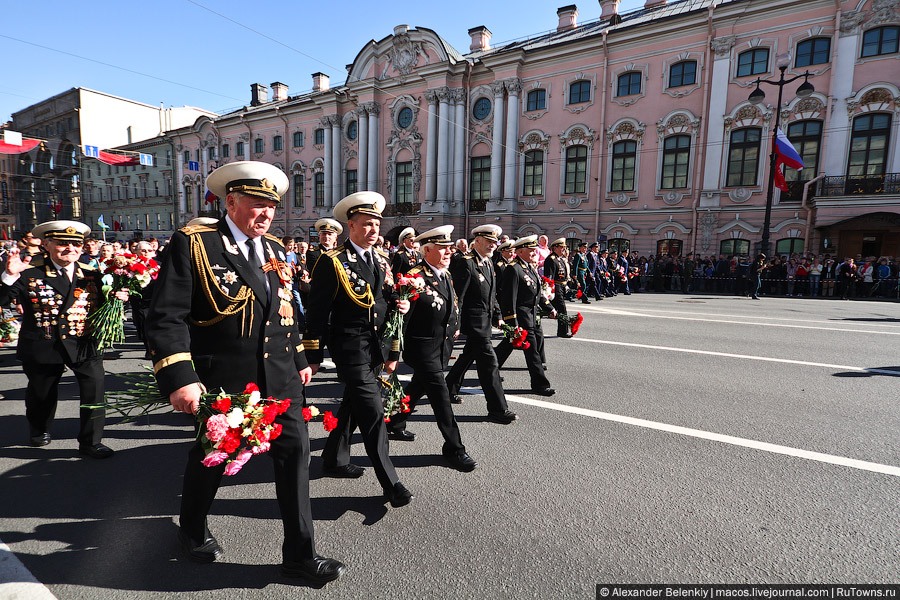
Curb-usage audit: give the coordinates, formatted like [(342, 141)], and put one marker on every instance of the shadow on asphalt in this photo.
[(870, 319), (870, 372)]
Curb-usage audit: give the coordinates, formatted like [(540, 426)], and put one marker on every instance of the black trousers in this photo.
[(361, 407), (559, 303), (290, 455), (478, 349), (433, 385), (41, 397), (533, 357)]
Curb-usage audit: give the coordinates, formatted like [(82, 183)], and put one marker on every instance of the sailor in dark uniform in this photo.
[(582, 274), (56, 293), (350, 296), (406, 256), (222, 317), (556, 268), (502, 258), (432, 325), (476, 286), (329, 230), (519, 300)]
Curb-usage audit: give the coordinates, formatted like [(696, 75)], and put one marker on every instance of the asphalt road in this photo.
[(692, 439)]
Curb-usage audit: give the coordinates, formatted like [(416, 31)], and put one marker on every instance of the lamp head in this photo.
[(757, 95), (805, 89)]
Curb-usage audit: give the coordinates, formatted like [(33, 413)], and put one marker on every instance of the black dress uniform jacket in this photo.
[(48, 341), (520, 298), (403, 260), (557, 268), (212, 320)]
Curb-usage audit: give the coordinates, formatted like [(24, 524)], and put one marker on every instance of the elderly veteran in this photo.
[(520, 296), (432, 325), (406, 256), (476, 287), (350, 296), (56, 293), (557, 269), (222, 317), (328, 230)]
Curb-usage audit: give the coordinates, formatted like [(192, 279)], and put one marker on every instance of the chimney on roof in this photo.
[(279, 91), (568, 18), (259, 94), (481, 38), (654, 3), (609, 8), (320, 82)]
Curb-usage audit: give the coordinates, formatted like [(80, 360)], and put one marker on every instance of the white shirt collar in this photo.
[(439, 273), (69, 269), (360, 250), (240, 237)]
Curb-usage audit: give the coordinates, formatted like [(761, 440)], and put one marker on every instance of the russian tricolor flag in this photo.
[(210, 197), (785, 154)]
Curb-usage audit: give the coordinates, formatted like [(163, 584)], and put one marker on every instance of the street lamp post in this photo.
[(756, 97)]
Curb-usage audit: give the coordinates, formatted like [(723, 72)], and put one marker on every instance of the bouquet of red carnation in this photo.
[(233, 427), (122, 272), (408, 288), (548, 288), (393, 398), (9, 326), (517, 336), (579, 293), (574, 323), (633, 272)]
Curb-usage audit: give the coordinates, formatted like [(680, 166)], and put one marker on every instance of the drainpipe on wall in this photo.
[(809, 209), (701, 154), (601, 154)]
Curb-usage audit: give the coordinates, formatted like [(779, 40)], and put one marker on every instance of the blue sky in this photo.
[(206, 53)]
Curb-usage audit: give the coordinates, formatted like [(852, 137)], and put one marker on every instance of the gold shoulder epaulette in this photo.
[(275, 239), (86, 267), (38, 261), (414, 271), (333, 253), (194, 229), (382, 253)]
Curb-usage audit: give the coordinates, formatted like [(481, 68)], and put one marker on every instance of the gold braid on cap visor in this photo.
[(261, 188)]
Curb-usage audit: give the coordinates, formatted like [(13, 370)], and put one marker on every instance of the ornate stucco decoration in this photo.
[(708, 221), (722, 46), (850, 22), (884, 11), (740, 195), (404, 55)]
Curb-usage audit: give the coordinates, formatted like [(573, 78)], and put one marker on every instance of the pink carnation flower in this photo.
[(262, 448), (216, 426), (237, 464), (214, 459)]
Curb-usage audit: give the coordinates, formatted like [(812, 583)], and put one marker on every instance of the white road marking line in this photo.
[(743, 356), (714, 437), (18, 582), (826, 321), (614, 311)]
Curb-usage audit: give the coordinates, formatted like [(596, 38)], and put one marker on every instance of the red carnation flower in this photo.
[(138, 268), (251, 387), (276, 431), (221, 404), (329, 421), (283, 405), (270, 411), (578, 294), (307, 414), (414, 297), (577, 324), (231, 441)]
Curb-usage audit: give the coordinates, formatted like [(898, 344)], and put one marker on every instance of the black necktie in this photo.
[(369, 263), (255, 264)]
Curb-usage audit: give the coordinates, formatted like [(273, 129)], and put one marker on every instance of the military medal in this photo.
[(285, 292)]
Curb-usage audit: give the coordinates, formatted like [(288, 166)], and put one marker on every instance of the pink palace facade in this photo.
[(632, 130)]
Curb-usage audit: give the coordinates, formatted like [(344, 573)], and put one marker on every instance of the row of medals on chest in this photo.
[(47, 304)]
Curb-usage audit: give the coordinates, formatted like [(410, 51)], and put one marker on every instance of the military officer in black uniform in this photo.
[(350, 295), (432, 325), (582, 273), (57, 292), (476, 287), (520, 297), (329, 230), (222, 316), (406, 256), (502, 258), (556, 268)]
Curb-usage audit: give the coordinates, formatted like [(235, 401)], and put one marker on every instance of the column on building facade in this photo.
[(327, 158), (837, 134), (431, 149), (459, 145), (336, 178), (513, 87), (497, 143), (715, 131), (450, 145), (363, 142), (178, 188), (443, 166), (372, 109)]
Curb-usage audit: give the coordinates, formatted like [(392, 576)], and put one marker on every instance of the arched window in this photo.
[(319, 182), (734, 247), (629, 84), (403, 182), (480, 178), (806, 137), (815, 51), (239, 149), (534, 173), (580, 91), (352, 131), (319, 136), (868, 153), (881, 40), (624, 155), (537, 100), (576, 169), (753, 62), (676, 159), (298, 190), (259, 146), (743, 157), (683, 73), (298, 139), (277, 143)]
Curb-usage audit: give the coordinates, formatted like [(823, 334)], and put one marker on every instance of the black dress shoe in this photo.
[(42, 439), (564, 335), (317, 569), (504, 418), (402, 435), (458, 399), (461, 461), (398, 495), (206, 552), (544, 392), (348, 471), (96, 451)]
